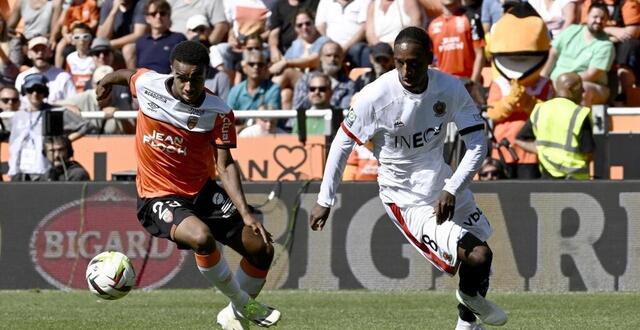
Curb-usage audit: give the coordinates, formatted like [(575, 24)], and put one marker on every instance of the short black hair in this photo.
[(415, 35), (599, 5), (190, 52)]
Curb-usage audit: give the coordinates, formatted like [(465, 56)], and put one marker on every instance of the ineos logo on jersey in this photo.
[(418, 139), (165, 143)]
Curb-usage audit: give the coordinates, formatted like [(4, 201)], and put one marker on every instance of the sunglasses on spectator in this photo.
[(307, 23), (9, 99), (83, 36), (256, 64), (199, 29), (320, 89), (253, 48), (101, 52), (154, 13), (37, 89)]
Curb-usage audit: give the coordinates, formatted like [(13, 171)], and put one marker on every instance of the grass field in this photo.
[(196, 309)]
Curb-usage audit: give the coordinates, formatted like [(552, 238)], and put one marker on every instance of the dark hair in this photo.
[(82, 26), (161, 5), (190, 52), (305, 11), (10, 87), (599, 5), (62, 140), (414, 35)]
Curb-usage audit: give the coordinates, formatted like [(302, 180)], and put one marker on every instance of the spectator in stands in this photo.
[(123, 22), (560, 132), (80, 64), (623, 29), (343, 21), (198, 29), (492, 169), (153, 49), (103, 55), (37, 16), (587, 51), (381, 59), (257, 91), (557, 14), (87, 101), (27, 161), (331, 63), (262, 127), (491, 12), (247, 17), (9, 101), (59, 153), (302, 55), (8, 53), (458, 43), (60, 85), (218, 81), (319, 94), (282, 24), (213, 10), (80, 11), (385, 19)]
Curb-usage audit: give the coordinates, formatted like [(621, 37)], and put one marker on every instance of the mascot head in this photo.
[(519, 44)]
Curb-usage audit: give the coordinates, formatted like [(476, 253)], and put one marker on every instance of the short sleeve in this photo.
[(134, 79), (466, 114), (138, 14), (216, 12), (359, 124), (631, 13), (224, 131), (603, 58), (321, 14), (104, 10)]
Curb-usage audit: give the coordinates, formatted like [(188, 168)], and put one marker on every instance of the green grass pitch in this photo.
[(196, 309)]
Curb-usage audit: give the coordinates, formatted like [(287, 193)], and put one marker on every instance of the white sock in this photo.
[(215, 269), (250, 278)]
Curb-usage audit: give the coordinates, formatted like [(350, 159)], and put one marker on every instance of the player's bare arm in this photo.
[(230, 177), (103, 87)]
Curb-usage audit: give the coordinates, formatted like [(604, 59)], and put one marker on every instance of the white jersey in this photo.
[(408, 132)]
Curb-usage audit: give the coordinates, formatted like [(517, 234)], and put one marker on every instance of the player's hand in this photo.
[(257, 228), (103, 93), (445, 207), (318, 217)]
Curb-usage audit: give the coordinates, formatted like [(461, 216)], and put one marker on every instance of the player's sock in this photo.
[(474, 280), (214, 267), (250, 278)]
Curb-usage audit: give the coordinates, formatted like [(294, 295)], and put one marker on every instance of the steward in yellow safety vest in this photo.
[(562, 131)]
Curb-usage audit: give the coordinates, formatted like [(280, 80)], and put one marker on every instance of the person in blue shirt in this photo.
[(153, 48)]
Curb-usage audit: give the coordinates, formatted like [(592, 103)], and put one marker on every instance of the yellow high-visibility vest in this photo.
[(556, 124)]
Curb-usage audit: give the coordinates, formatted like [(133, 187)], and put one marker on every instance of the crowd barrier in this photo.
[(547, 236)]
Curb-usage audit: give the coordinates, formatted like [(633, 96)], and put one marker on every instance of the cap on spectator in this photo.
[(99, 73), (215, 58), (40, 40), (35, 79), (197, 20), (100, 44), (381, 49)]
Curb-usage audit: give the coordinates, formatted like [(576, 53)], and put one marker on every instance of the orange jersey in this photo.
[(454, 40), (175, 141)]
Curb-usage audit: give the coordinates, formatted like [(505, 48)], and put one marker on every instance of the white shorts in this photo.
[(439, 243)]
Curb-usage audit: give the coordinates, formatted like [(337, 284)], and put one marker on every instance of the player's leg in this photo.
[(475, 267), (192, 232)]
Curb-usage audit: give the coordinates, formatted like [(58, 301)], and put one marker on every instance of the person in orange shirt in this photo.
[(182, 131), (457, 40)]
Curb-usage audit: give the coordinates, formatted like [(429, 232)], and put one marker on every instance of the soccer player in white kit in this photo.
[(405, 113)]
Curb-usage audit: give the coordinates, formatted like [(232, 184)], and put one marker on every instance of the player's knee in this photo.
[(262, 255), (203, 243), (480, 255)]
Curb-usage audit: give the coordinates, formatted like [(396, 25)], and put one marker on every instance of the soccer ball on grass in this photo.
[(110, 275)]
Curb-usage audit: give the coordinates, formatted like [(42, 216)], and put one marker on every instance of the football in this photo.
[(110, 275)]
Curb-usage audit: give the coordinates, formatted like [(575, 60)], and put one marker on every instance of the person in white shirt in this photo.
[(60, 83), (404, 112), (80, 64)]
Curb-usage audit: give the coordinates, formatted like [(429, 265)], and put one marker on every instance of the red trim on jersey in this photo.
[(351, 135), (134, 78), (434, 258)]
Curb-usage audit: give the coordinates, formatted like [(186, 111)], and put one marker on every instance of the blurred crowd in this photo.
[(290, 54)]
